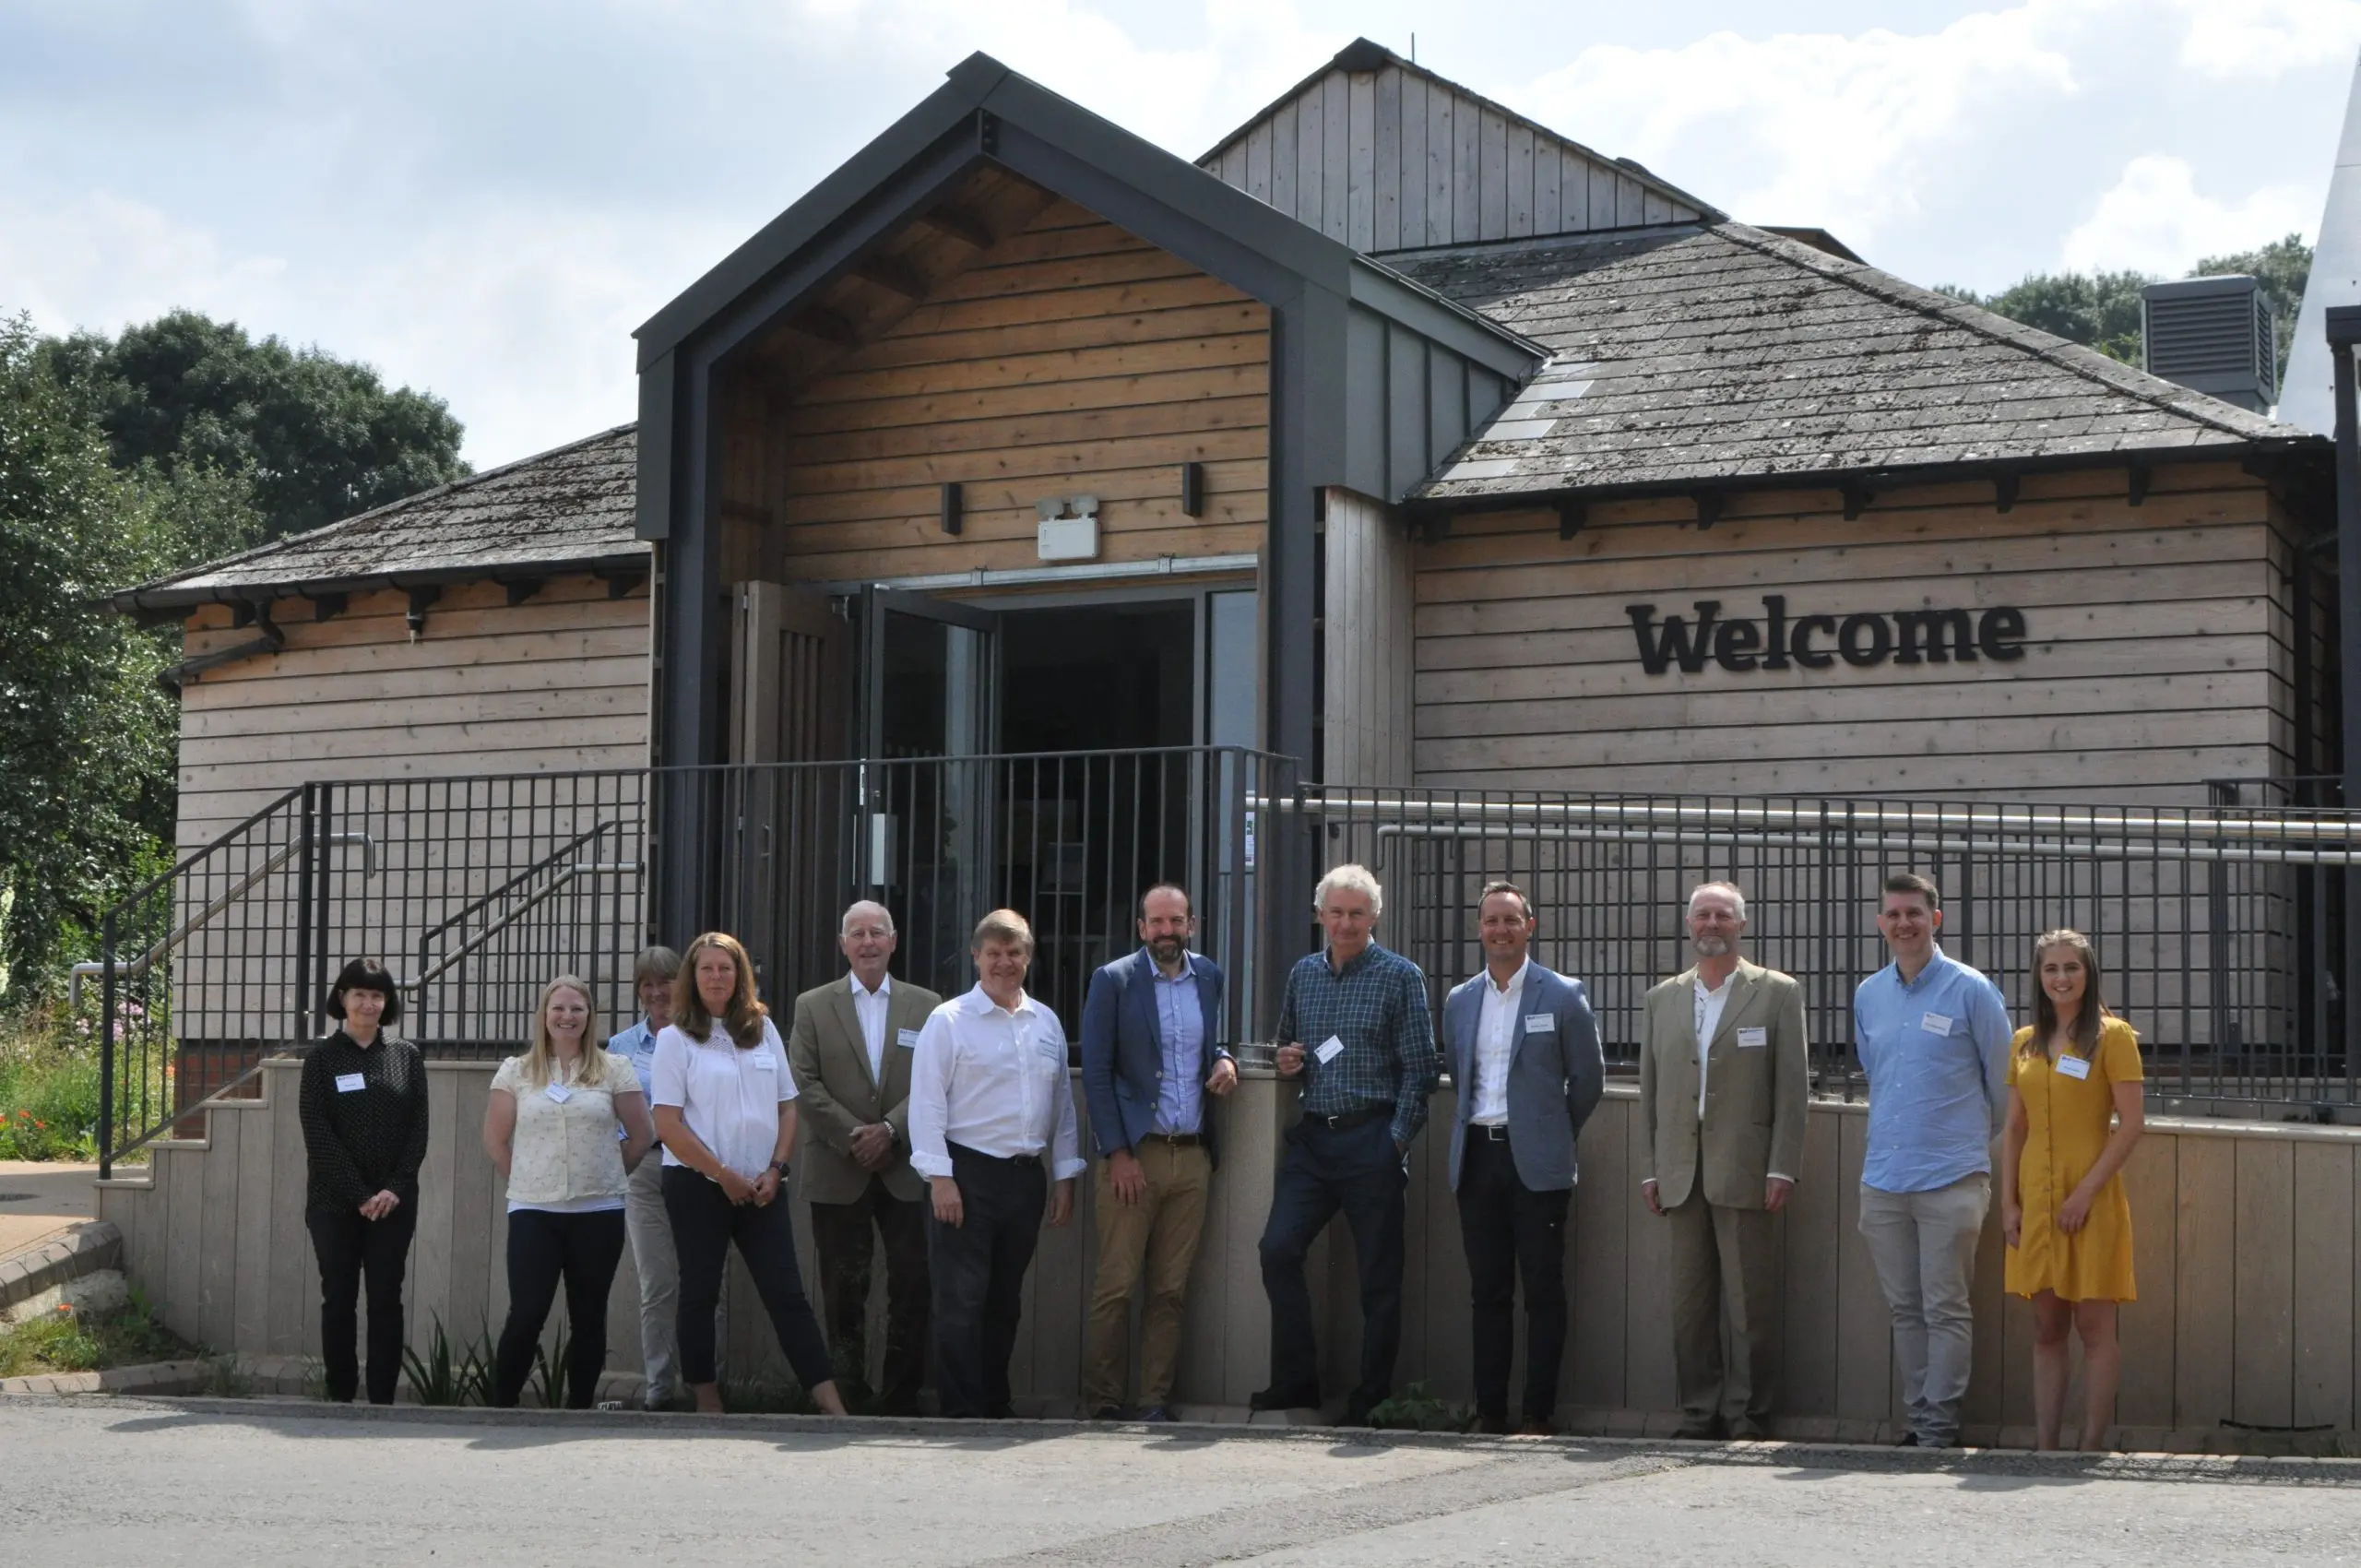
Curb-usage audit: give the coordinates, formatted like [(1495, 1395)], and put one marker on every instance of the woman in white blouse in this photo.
[(725, 1108), (550, 1129)]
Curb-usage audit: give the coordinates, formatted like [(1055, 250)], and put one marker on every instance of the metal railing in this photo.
[(2221, 929)]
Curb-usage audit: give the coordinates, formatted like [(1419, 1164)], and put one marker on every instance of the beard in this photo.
[(1711, 947), (1167, 949)]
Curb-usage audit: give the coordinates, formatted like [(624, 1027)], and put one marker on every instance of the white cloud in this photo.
[(102, 259), (2155, 220), (2267, 38)]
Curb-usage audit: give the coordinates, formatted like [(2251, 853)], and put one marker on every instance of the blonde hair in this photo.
[(743, 1018), (541, 1062)]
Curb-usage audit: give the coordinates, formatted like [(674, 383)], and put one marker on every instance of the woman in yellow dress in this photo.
[(2074, 1113)]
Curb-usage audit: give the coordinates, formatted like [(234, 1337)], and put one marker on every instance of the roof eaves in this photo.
[(148, 599)]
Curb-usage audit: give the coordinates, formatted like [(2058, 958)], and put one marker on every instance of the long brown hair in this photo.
[(2085, 1034), (744, 1019)]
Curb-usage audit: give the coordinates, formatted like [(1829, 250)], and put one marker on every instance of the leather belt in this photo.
[(1175, 1140), (1361, 1118), (1496, 1132)]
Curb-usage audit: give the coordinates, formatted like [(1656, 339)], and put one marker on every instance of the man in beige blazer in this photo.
[(849, 1050), (1723, 1082)]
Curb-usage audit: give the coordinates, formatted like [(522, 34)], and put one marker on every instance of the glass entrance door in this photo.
[(930, 680)]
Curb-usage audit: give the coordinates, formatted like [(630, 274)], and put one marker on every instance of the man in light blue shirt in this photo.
[(1933, 1036)]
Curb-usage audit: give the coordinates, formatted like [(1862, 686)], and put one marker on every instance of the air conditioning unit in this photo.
[(2214, 336)]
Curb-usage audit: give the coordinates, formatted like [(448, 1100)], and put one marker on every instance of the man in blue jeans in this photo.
[(1355, 1032), (1933, 1036)]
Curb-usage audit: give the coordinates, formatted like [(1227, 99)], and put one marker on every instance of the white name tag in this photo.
[(1330, 1048), (1541, 1023), (559, 1093), (907, 1039), (2074, 1067), (350, 1083), (1753, 1039), (765, 1063), (1934, 1024)]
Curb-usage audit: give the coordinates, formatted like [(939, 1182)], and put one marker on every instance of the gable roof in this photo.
[(566, 510), (1384, 154), (1714, 356)]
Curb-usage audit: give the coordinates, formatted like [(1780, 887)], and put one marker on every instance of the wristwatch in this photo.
[(779, 1165)]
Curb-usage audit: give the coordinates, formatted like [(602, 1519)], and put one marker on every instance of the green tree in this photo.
[(320, 438), (2101, 310), (86, 737)]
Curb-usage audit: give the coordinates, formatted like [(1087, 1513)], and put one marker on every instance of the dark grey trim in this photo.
[(654, 501)]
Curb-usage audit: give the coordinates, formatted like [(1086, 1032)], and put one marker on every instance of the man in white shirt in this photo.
[(1725, 1078), (990, 1106), (1525, 1059), (850, 1047)]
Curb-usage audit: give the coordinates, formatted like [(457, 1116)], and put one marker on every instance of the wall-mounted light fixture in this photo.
[(1069, 528)]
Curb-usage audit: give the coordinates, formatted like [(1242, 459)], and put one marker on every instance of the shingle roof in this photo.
[(1709, 355), (568, 508)]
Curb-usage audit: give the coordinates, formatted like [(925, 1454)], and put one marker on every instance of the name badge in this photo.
[(1934, 1024), (765, 1063), (907, 1039), (559, 1093), (2073, 1066), (1753, 1039), (1330, 1048), (350, 1083), (1541, 1023)]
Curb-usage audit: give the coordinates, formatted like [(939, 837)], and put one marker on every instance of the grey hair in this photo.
[(1356, 878), (846, 923), (1729, 887)]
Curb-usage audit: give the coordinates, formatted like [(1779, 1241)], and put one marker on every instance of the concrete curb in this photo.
[(2240, 1468), (156, 1377), (84, 1249)]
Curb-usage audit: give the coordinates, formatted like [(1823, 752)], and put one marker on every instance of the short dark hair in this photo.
[(1491, 888), (366, 974), (1911, 881), (1168, 887)]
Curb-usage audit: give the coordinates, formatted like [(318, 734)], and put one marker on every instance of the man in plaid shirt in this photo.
[(1366, 1072)]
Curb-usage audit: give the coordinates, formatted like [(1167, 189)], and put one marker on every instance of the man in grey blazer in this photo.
[(1725, 1077), (1523, 1054), (849, 1050)]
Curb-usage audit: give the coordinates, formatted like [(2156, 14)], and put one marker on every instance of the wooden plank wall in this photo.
[(556, 683), (2246, 1241), (2157, 656), (1071, 358), (1366, 651), (1395, 159)]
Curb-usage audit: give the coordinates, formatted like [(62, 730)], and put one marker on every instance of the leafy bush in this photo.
[(1415, 1409)]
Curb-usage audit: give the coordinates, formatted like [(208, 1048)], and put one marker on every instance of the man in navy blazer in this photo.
[(1525, 1057), (1151, 1052)]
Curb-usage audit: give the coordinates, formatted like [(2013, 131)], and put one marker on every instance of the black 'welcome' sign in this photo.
[(1777, 641)]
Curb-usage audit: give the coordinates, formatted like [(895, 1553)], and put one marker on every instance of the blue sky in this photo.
[(484, 198)]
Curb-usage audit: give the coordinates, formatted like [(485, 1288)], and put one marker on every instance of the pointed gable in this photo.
[(1382, 155)]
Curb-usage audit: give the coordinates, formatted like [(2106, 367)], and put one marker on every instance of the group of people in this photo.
[(948, 1131)]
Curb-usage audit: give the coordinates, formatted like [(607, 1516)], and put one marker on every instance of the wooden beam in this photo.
[(819, 321), (1709, 509), (522, 589), (2136, 488), (1857, 498), (327, 606), (620, 584), (892, 275), (960, 224), (2004, 493), (420, 599), (1573, 513)]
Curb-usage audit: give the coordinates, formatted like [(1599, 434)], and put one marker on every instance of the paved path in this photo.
[(210, 1483), (40, 1197)]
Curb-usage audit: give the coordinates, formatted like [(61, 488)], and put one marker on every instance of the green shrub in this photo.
[(449, 1373), (49, 1090), (67, 1341), (1415, 1409)]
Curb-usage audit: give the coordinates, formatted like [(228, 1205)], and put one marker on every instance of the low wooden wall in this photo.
[(2248, 1236)]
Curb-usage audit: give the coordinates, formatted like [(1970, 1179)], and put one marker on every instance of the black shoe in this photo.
[(1746, 1430), (1284, 1398), (1152, 1415), (1491, 1425), (1000, 1412), (1708, 1430), (1107, 1413), (1907, 1440), (1356, 1409)]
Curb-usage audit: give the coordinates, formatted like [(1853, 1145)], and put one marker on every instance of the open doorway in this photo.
[(1098, 677)]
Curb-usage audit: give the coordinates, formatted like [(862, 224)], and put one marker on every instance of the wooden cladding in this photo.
[(557, 682), (1070, 358), (2152, 647), (1396, 159)]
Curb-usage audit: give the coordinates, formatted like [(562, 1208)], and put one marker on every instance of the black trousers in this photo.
[(843, 1234), (348, 1248), (583, 1248), (1510, 1230), (705, 1222), (1359, 1170), (978, 1269)]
